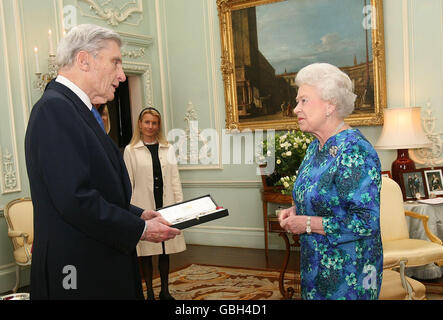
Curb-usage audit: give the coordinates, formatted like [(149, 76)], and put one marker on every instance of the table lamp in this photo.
[(402, 130)]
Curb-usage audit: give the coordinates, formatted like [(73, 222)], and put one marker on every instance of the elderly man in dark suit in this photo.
[(85, 229)]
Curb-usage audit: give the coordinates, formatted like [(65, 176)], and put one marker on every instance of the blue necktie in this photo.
[(98, 117)]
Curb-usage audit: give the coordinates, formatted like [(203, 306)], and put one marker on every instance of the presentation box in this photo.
[(192, 212)]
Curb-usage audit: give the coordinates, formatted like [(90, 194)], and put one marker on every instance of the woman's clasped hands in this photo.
[(291, 222)]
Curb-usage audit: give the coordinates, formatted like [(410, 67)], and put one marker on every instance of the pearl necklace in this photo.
[(334, 133), (338, 128)]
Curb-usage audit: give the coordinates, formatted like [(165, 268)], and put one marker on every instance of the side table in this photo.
[(268, 195), (290, 292)]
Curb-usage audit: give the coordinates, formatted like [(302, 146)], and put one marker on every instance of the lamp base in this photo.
[(401, 164)]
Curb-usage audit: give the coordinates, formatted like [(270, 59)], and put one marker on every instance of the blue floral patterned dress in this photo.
[(341, 183)]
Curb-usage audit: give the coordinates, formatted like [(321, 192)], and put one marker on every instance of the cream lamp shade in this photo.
[(402, 130)]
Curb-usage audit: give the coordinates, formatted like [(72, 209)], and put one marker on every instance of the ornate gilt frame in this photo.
[(225, 8)]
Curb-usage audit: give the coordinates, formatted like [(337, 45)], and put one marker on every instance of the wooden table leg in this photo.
[(265, 223), (287, 294), (290, 291)]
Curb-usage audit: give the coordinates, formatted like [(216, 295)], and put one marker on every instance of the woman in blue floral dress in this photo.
[(336, 194)]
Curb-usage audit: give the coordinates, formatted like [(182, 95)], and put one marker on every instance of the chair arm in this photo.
[(391, 263), (424, 219), (15, 234)]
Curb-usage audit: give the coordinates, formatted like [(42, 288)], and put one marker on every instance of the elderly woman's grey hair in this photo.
[(334, 85), (84, 37)]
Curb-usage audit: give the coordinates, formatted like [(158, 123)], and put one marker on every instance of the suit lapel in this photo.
[(90, 120)]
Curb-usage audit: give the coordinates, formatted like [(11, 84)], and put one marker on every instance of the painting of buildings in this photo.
[(272, 43)]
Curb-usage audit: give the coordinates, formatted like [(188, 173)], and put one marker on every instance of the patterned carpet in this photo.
[(203, 282)]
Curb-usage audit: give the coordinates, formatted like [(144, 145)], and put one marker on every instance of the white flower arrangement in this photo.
[(289, 150), (287, 183)]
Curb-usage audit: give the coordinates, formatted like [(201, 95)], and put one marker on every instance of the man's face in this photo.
[(106, 73)]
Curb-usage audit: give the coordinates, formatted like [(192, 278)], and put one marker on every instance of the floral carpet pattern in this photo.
[(202, 282)]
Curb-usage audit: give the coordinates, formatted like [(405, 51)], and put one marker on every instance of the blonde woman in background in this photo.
[(155, 183), (104, 113)]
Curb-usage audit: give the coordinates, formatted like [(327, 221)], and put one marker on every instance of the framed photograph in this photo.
[(413, 185), (434, 178), (266, 42), (386, 174)]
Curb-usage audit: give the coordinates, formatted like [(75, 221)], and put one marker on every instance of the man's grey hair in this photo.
[(334, 85), (84, 37)]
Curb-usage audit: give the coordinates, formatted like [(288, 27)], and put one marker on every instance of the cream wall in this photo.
[(173, 47)]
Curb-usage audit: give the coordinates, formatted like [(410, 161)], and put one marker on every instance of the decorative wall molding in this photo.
[(211, 59), (7, 266), (196, 145), (429, 156), (10, 182), (411, 13), (8, 162), (251, 184), (136, 40), (133, 54), (59, 14), (231, 237), (145, 70), (212, 66), (223, 228), (24, 94), (161, 63), (192, 132), (441, 35), (135, 67), (147, 80), (406, 63), (109, 12)]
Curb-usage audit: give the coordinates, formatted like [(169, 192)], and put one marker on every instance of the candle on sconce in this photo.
[(37, 65), (51, 47)]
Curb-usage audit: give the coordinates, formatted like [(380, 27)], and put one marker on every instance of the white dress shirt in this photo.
[(79, 92)]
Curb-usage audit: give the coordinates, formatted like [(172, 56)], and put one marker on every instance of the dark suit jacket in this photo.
[(81, 194)]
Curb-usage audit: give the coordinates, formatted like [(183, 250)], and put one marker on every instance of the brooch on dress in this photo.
[(333, 151)]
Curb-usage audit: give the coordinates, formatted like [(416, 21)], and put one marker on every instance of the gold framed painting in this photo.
[(265, 43)]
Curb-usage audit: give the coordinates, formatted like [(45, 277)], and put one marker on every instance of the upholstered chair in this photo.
[(395, 234), (20, 219), (396, 285)]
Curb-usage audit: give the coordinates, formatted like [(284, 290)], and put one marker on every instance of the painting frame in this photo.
[(436, 187), (409, 188), (231, 74)]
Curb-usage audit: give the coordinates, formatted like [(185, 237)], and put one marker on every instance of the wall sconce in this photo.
[(402, 130), (430, 157), (43, 79)]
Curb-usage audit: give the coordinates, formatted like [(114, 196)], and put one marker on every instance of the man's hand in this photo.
[(150, 214), (158, 230)]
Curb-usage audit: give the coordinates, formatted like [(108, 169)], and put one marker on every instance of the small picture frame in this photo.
[(413, 185), (386, 174), (434, 181)]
